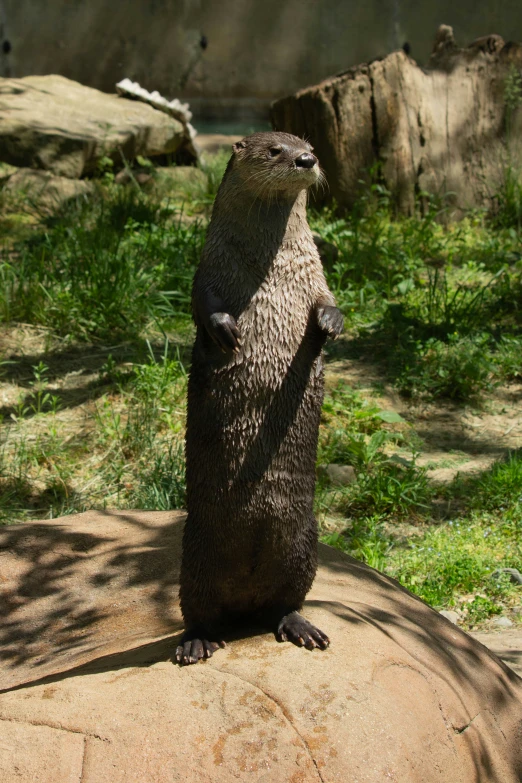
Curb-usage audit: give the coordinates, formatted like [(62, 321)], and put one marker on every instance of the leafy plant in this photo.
[(109, 268), (365, 540), (354, 433), (161, 484), (458, 369), (501, 486)]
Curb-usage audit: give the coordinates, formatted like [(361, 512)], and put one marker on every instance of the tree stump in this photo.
[(449, 129)]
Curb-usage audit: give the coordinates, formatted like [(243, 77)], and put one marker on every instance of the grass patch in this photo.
[(438, 305), (455, 564), (128, 452), (360, 434), (103, 269)]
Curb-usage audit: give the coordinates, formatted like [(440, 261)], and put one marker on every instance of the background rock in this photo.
[(514, 575), (449, 615), (400, 695), (338, 475), (502, 622), (53, 123), (44, 191), (439, 129)]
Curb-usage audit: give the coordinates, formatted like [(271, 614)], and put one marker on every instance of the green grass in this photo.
[(435, 308), (104, 269), (439, 306), (129, 456), (362, 435)]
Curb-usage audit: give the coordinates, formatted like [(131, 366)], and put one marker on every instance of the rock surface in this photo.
[(43, 190), (502, 622), (507, 644), (443, 130), (53, 123), (337, 475), (400, 695)]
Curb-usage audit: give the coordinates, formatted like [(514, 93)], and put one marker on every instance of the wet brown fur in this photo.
[(250, 540)]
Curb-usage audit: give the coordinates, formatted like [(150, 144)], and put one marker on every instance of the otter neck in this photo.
[(269, 219)]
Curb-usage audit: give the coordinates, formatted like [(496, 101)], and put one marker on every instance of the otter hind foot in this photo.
[(195, 645), (294, 628)]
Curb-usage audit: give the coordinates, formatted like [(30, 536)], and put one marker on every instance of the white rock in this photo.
[(502, 622), (53, 123), (449, 615)]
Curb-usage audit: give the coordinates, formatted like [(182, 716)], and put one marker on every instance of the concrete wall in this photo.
[(257, 50)]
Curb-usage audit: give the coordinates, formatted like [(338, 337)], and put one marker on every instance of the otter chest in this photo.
[(277, 314)]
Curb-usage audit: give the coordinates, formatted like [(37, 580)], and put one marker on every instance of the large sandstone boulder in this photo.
[(89, 622), (444, 129), (53, 123)]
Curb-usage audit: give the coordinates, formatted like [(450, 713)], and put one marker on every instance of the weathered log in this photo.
[(440, 129)]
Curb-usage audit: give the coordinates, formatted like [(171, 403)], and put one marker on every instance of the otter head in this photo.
[(275, 165)]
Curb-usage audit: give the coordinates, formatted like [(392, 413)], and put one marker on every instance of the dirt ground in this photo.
[(451, 438)]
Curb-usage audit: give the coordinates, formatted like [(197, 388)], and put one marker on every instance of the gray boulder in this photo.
[(53, 123), (337, 475)]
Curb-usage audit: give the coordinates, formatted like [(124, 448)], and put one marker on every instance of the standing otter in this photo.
[(263, 311)]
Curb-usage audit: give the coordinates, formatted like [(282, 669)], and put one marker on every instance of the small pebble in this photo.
[(451, 616), (502, 622), (514, 574), (338, 475)]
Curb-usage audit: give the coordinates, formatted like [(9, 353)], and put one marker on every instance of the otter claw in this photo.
[(223, 330), (330, 320), (296, 629), (193, 648)]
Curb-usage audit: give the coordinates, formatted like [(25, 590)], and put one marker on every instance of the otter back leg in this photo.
[(195, 644), (293, 627), (290, 626)]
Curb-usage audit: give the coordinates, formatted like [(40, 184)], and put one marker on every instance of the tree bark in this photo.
[(440, 130)]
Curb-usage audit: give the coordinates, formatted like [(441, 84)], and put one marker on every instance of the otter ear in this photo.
[(239, 145)]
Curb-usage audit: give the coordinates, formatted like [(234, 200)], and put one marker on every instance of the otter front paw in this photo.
[(223, 329), (195, 645), (330, 320), (294, 628)]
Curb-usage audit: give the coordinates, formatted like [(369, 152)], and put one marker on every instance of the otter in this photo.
[(263, 311)]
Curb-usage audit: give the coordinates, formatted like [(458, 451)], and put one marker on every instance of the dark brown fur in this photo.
[(263, 310)]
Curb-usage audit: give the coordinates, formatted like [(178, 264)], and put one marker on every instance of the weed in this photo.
[(214, 167), (365, 539), (161, 484), (452, 565), (508, 211), (500, 487), (354, 433), (388, 488), (459, 369), (111, 269), (508, 358)]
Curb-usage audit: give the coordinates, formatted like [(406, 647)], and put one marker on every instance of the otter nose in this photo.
[(306, 160)]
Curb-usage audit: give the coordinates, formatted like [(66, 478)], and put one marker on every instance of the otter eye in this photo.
[(275, 151)]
